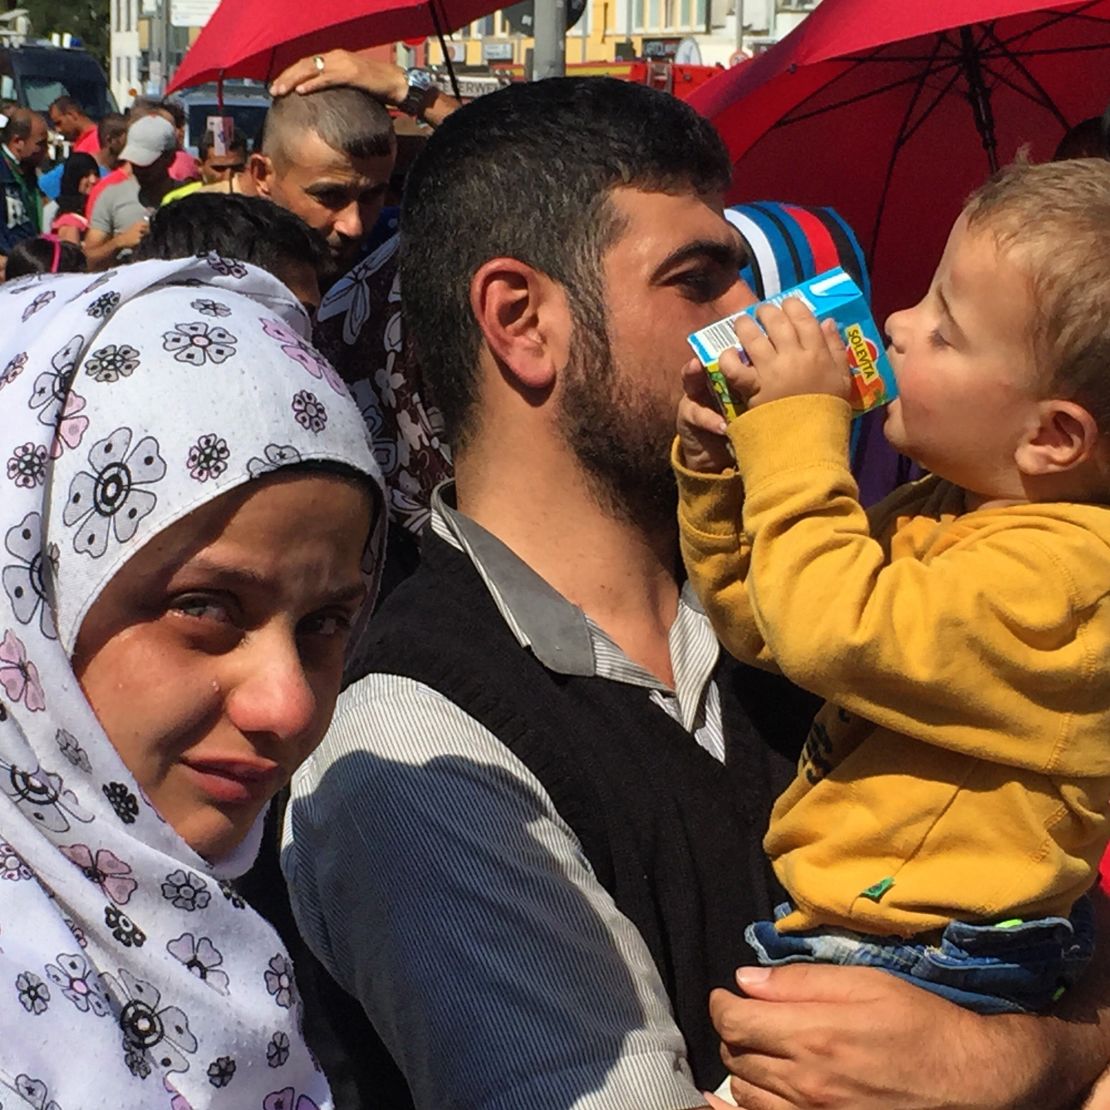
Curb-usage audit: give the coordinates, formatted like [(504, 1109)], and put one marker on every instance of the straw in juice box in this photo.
[(831, 295)]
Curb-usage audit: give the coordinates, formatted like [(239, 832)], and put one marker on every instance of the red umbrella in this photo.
[(894, 112), (259, 38)]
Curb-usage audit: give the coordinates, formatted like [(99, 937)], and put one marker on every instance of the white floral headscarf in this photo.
[(131, 972)]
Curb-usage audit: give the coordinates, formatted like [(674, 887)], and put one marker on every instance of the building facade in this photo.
[(693, 31)]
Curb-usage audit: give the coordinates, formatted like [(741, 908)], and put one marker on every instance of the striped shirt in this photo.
[(431, 873)]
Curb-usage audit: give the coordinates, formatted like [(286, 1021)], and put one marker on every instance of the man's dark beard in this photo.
[(619, 435)]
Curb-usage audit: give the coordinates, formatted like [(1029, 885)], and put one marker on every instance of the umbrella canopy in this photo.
[(893, 113), (259, 38)]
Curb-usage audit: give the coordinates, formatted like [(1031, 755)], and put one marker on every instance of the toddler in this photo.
[(953, 796)]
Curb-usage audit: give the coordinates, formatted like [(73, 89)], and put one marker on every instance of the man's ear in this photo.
[(525, 319), (262, 173), (1065, 436)]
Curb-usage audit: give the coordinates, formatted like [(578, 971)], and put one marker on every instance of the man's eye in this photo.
[(936, 339), (330, 199), (326, 624), (706, 285)]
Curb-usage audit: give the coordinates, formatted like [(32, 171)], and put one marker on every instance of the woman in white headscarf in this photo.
[(190, 522)]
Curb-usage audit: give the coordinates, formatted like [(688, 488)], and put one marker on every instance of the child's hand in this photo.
[(701, 427), (791, 354)]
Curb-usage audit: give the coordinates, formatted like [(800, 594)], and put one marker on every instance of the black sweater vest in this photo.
[(674, 836)]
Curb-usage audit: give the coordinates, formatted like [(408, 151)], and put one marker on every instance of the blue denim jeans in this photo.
[(992, 969)]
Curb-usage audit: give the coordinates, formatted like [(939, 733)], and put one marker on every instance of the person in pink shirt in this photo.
[(70, 120), (121, 173), (81, 173), (184, 167)]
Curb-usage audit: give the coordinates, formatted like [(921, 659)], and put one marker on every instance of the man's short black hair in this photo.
[(151, 105), (176, 109), (349, 120), (526, 173), (110, 127), (238, 144), (64, 104), (250, 229)]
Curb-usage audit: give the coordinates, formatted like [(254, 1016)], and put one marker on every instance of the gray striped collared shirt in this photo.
[(431, 873)]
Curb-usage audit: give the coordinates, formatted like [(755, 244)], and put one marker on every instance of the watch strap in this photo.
[(421, 85)]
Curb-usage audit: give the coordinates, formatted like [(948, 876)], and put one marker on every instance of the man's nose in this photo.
[(349, 222), (738, 297)]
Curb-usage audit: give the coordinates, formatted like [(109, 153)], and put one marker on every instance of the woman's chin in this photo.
[(216, 834)]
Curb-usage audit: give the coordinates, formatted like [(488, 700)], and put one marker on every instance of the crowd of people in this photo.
[(363, 615)]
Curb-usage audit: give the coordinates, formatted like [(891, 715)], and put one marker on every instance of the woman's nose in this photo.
[(271, 692)]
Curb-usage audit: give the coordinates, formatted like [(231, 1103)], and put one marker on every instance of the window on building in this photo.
[(669, 17)]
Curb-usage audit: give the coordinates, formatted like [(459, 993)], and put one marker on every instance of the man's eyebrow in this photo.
[(732, 254), (318, 187)]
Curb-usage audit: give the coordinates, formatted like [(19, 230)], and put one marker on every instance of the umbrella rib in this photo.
[(914, 78), (1046, 51), (907, 132), (438, 24), (899, 142), (1051, 19), (1039, 94)]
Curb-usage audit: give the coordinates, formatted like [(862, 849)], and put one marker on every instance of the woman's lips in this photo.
[(235, 781)]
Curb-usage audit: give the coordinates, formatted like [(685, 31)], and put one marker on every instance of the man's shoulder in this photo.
[(401, 720), (89, 143), (443, 597), (123, 189)]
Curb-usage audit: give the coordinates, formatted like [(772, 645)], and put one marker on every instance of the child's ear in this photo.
[(1065, 436)]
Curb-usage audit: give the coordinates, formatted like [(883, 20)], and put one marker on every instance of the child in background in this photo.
[(953, 796)]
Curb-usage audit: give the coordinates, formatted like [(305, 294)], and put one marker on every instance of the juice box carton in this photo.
[(831, 295)]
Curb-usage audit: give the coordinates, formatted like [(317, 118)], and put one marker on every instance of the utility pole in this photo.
[(167, 38), (155, 46), (549, 58), (739, 24)]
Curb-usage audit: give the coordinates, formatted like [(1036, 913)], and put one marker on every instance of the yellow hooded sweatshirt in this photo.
[(960, 769)]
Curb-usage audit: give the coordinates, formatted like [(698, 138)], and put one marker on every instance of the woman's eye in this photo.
[(936, 339), (201, 607)]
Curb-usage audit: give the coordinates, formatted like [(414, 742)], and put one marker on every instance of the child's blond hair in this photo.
[(1054, 221)]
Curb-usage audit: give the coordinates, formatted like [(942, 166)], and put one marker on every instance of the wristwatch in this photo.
[(421, 84)]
